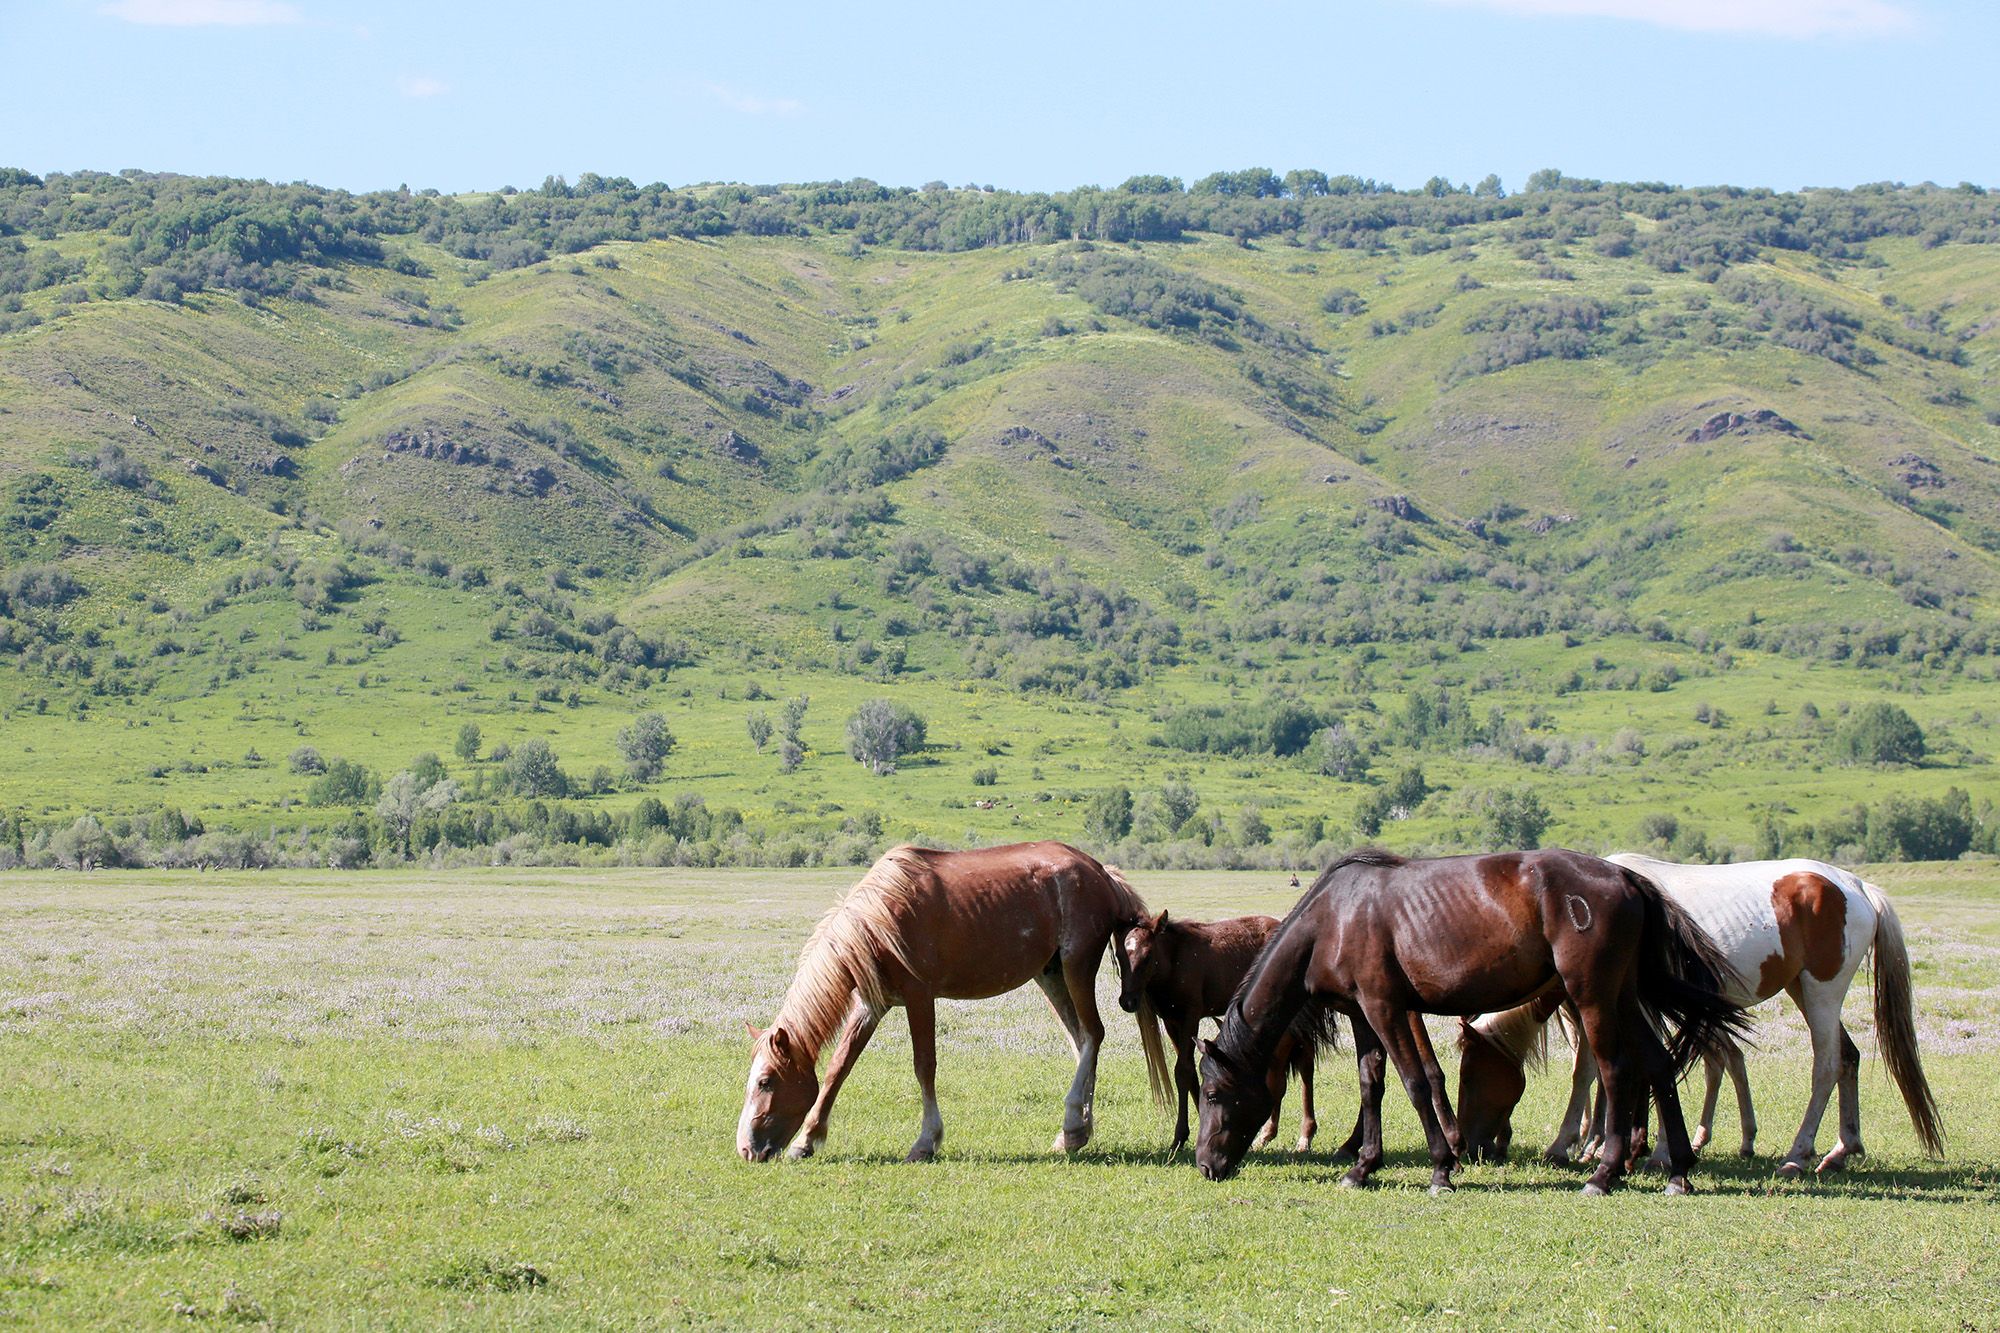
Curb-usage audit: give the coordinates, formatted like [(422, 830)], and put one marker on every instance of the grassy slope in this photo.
[(1159, 432), (436, 1082)]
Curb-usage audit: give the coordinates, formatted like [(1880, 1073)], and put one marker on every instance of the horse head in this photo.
[(1235, 1103), (1138, 952), (783, 1084), (1490, 1084)]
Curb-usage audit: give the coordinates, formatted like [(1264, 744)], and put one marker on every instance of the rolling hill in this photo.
[(1576, 495)]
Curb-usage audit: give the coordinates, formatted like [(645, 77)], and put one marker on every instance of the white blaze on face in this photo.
[(759, 1066)]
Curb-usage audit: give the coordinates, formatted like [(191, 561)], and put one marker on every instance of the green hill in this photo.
[(1579, 495)]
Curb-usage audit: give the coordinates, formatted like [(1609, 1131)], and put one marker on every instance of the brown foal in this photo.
[(1188, 970)]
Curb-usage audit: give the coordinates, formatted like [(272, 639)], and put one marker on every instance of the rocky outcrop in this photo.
[(1740, 423), (1397, 506), (437, 444), (1917, 472)]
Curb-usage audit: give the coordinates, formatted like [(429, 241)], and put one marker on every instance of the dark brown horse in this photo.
[(928, 925), (1188, 970), (1386, 941)]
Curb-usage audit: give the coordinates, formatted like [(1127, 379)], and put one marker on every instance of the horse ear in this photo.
[(1205, 1046), (754, 1031), (781, 1041), (1160, 921)]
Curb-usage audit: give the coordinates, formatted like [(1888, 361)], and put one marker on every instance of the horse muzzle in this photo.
[(1128, 1004)]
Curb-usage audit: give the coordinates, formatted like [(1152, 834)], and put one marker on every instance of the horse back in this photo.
[(1210, 960), (984, 921), (1775, 921)]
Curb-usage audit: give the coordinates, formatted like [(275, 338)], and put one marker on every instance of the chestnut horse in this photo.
[(1799, 926), (1385, 941), (927, 925), (1188, 970)]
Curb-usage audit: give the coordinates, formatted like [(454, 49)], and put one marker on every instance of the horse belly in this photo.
[(1502, 985), (983, 958)]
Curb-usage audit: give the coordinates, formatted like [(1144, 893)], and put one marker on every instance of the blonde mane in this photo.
[(845, 954), (1520, 1033)]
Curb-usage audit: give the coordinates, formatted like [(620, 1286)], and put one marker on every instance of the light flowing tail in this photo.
[(1896, 1025), (1159, 1074)]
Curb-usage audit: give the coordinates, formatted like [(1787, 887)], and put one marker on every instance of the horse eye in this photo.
[(766, 1083)]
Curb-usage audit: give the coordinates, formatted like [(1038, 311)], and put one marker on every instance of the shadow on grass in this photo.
[(1733, 1176)]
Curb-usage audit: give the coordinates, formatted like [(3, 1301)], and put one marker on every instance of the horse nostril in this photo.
[(1129, 1006)]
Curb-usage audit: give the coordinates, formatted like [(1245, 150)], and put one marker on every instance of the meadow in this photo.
[(509, 1096)]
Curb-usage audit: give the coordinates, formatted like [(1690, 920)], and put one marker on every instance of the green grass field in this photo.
[(509, 1098)]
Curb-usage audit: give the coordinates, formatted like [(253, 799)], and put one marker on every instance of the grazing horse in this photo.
[(1386, 941), (1799, 926), (927, 925), (1188, 970)]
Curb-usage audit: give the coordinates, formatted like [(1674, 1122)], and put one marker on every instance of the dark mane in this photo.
[(1360, 856)]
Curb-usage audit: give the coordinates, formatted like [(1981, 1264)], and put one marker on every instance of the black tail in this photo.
[(1682, 980)]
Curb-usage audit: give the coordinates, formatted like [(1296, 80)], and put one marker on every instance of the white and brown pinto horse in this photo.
[(926, 925), (1797, 926)]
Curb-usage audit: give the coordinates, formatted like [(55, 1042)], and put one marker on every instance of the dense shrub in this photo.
[(1879, 733)]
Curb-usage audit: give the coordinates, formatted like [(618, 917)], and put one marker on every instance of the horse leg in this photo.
[(1187, 1083), (1850, 1107), (1056, 990), (923, 1053), (861, 1020), (1392, 1023), (1276, 1079), (1593, 1146), (1823, 1020), (1368, 1127), (1302, 1065), (1080, 979), (1711, 1071), (1420, 1037), (1661, 1076), (1616, 1099), (1746, 1114), (1575, 1116)]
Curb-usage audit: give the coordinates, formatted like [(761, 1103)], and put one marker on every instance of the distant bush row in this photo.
[(181, 233)]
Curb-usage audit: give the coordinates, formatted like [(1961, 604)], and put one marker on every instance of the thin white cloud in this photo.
[(421, 85), (204, 13), (1766, 18), (748, 104)]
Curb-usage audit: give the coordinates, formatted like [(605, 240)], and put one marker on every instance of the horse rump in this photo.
[(1683, 977)]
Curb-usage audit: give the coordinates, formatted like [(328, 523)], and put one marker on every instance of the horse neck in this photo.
[(842, 960), (1176, 986), (1272, 995)]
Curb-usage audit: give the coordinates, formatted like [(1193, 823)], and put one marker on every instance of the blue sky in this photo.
[(1027, 94)]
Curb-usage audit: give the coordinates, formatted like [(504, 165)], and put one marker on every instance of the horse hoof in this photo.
[(1791, 1170), (1678, 1185), (1747, 1151), (799, 1153), (1700, 1139), (1593, 1190), (1071, 1144), (921, 1154), (1351, 1180), (1438, 1191), (1833, 1161), (1302, 1146)]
